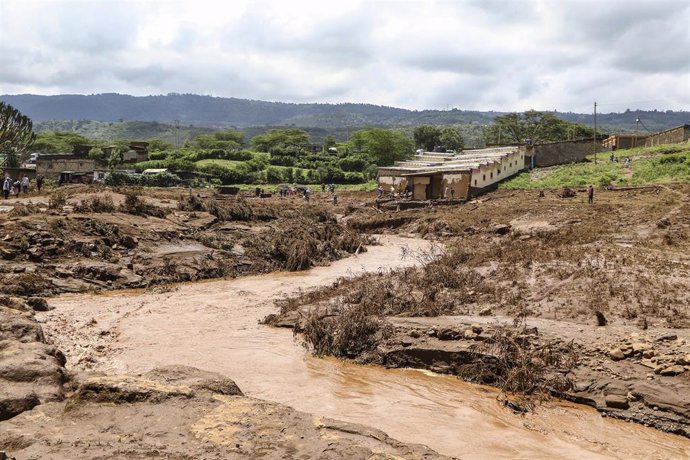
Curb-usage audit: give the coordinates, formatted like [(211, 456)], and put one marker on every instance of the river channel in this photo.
[(214, 326)]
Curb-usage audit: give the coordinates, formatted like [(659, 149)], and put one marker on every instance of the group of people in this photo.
[(626, 162), (404, 193), (330, 188), (15, 187)]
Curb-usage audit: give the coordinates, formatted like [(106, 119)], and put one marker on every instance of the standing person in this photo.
[(17, 187), (446, 192), (452, 194), (590, 194), (39, 182), (6, 187), (25, 184), (323, 187)]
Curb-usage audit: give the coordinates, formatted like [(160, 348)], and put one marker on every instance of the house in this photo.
[(624, 141), (138, 151), (465, 174), (51, 165)]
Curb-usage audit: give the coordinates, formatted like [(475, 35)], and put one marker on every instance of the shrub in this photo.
[(134, 205), (347, 333), (97, 203)]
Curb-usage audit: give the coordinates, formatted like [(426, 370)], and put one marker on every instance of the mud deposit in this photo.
[(214, 326)]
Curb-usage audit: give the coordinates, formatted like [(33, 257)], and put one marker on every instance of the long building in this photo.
[(465, 174)]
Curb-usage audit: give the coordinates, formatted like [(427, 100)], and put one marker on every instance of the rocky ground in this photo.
[(31, 371), (605, 284), (80, 239), (591, 301), (179, 412)]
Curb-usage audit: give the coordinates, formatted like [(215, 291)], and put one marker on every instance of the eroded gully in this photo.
[(214, 326)]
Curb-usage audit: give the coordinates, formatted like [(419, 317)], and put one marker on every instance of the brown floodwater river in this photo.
[(214, 326)]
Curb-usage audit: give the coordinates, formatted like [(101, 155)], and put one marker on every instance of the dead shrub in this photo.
[(343, 332), (135, 206), (517, 363), (370, 224), (21, 210), (97, 203), (57, 201)]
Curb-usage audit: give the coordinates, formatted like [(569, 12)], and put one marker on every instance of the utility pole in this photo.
[(177, 134), (595, 132)]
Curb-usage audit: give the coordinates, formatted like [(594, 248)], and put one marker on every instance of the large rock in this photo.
[(616, 354), (31, 372), (182, 412), (616, 401), (19, 325)]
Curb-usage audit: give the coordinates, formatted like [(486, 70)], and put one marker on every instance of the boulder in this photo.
[(641, 347), (448, 334), (616, 354), (616, 402), (672, 370), (469, 334)]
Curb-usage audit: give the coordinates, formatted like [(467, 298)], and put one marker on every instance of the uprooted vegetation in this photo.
[(135, 238), (523, 367), (510, 255)]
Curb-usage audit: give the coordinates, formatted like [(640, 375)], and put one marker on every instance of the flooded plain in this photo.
[(215, 326)]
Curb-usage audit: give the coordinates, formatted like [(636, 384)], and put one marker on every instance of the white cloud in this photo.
[(469, 54)]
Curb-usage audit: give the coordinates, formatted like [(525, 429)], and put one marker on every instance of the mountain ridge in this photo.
[(231, 112)]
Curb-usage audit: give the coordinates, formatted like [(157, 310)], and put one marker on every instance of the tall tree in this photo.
[(383, 146), (427, 137), (537, 126), (451, 138), (16, 134), (279, 138)]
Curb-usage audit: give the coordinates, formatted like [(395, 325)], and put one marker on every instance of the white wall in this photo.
[(489, 174)]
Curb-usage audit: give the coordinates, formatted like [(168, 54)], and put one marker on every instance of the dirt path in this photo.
[(214, 326)]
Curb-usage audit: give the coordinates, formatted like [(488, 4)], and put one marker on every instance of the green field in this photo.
[(229, 164), (652, 165)]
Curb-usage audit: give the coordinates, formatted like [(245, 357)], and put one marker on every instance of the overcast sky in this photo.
[(470, 54)]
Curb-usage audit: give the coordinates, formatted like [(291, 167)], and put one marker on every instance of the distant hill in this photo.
[(219, 112)]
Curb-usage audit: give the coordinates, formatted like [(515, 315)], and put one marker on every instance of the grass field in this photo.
[(660, 164)]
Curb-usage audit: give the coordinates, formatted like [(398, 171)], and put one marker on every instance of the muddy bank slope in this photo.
[(605, 284), (179, 412), (214, 325)]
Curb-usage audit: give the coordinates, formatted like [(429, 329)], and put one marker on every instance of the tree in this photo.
[(451, 138), (537, 126), (329, 142), (382, 145), (223, 140), (96, 153), (16, 134), (159, 145), (279, 138), (427, 137)]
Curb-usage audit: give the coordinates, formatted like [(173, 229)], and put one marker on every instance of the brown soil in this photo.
[(580, 277), (79, 239), (608, 280), (180, 412)]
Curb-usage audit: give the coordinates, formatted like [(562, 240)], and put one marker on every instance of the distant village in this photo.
[(439, 174), (444, 175)]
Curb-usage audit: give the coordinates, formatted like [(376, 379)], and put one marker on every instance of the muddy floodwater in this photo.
[(214, 326)]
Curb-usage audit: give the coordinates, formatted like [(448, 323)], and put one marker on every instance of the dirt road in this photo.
[(214, 326)]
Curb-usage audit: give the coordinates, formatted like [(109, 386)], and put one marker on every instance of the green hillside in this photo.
[(651, 165)]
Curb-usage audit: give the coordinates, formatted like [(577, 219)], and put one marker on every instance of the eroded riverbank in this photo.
[(214, 326)]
